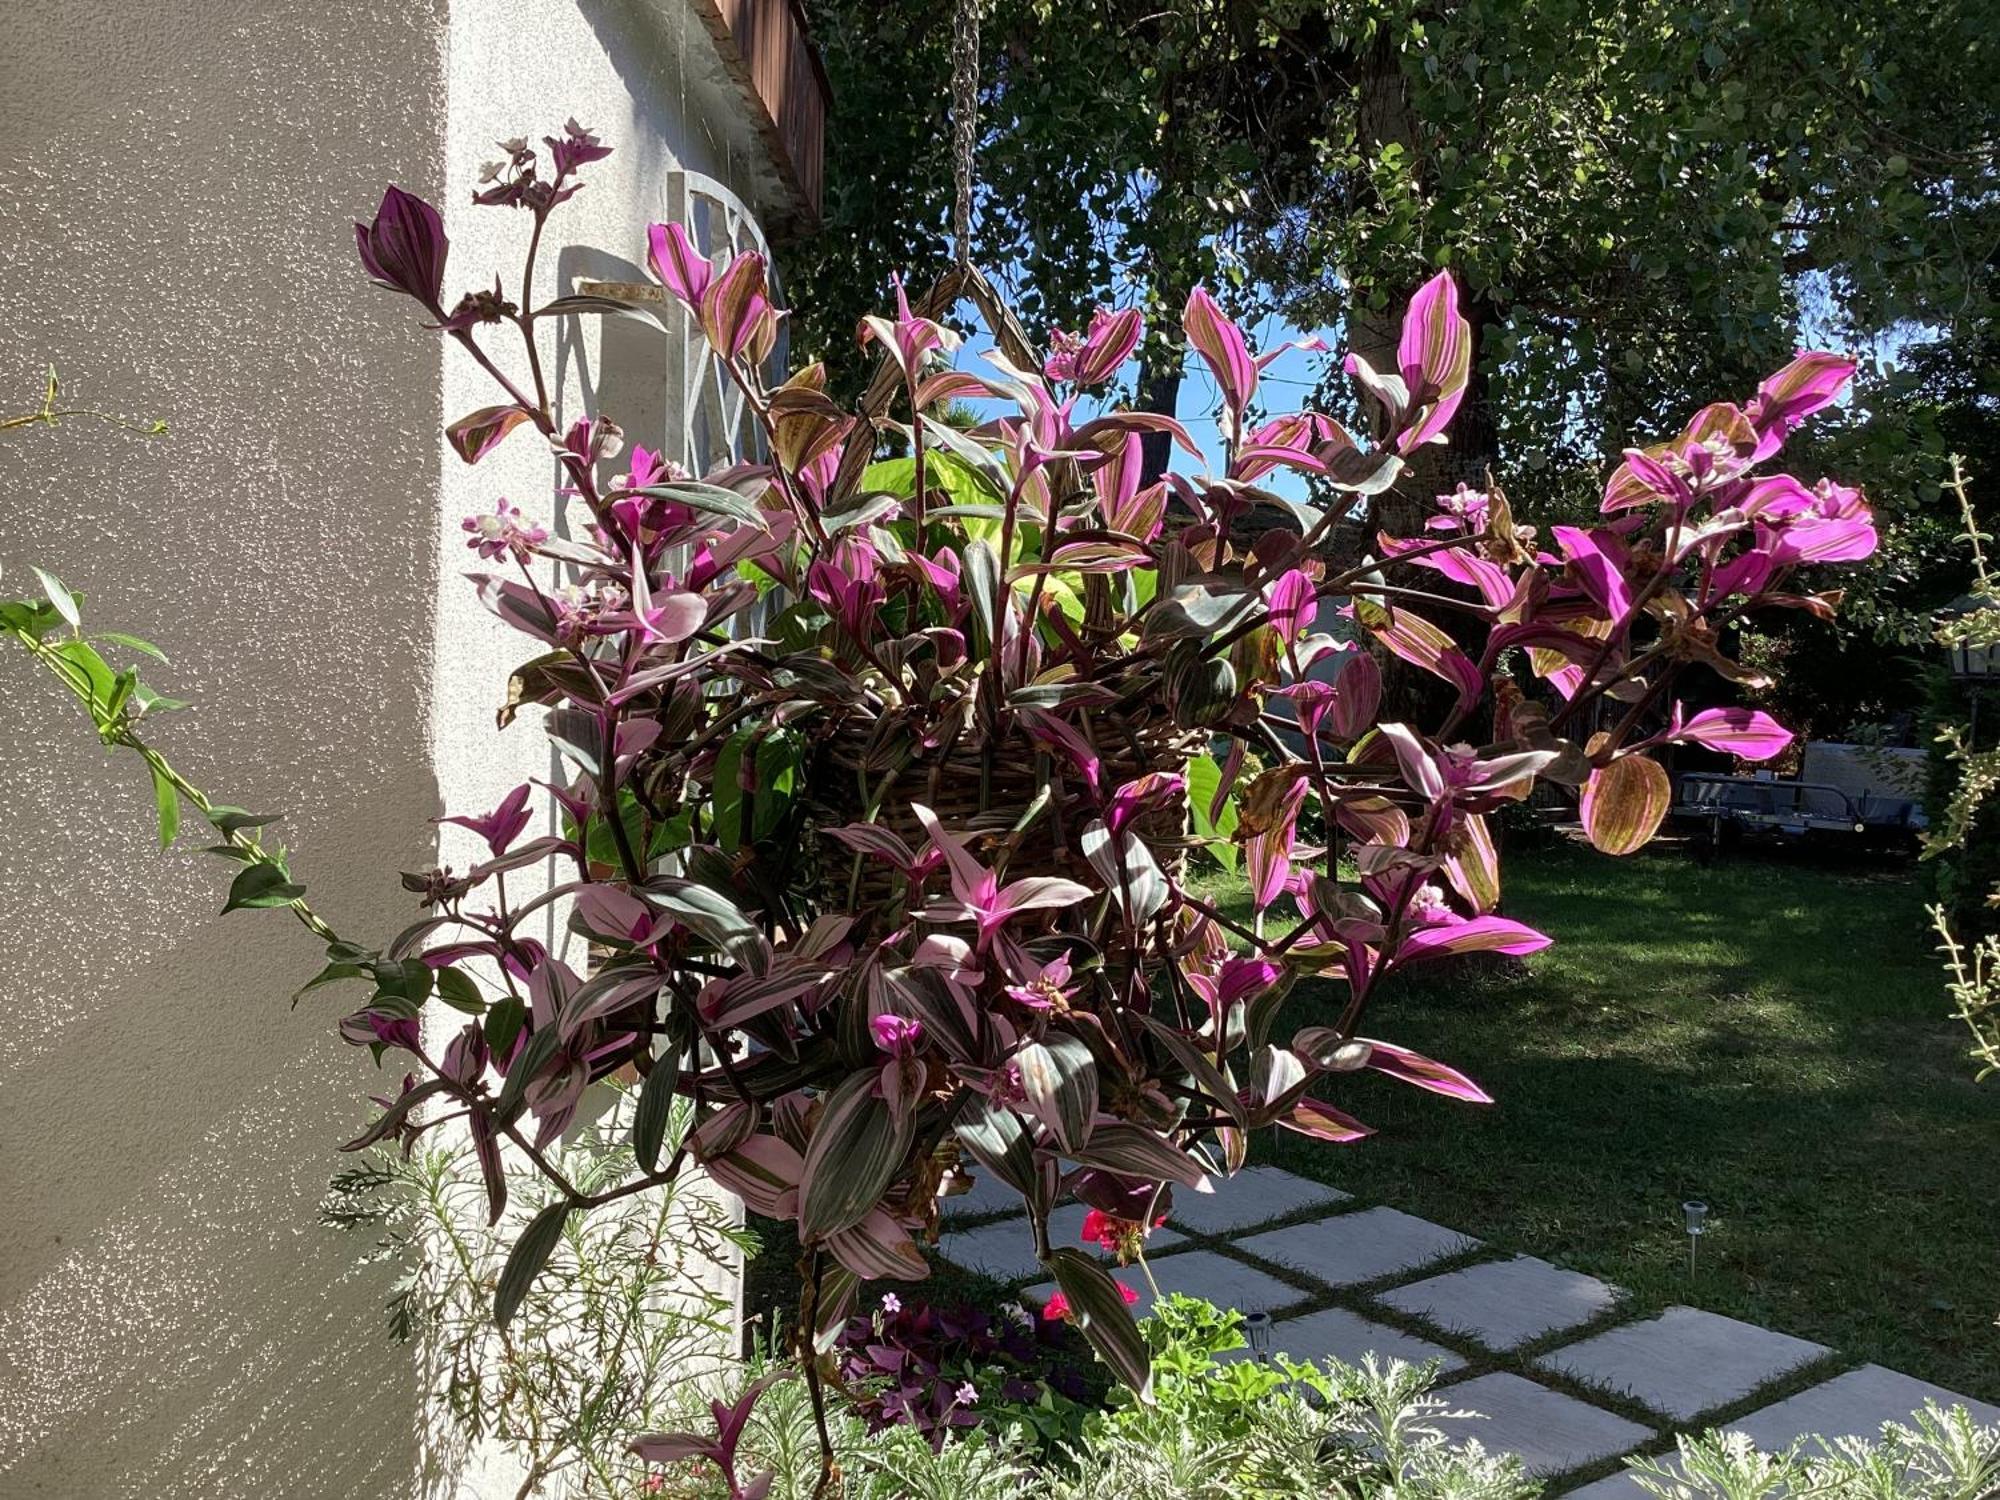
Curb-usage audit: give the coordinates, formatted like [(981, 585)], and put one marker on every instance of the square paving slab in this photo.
[(1506, 1303), (1336, 1333), (1852, 1405), (1683, 1362), (1254, 1196), (1348, 1248), (1005, 1250), (1550, 1431), (1198, 1273)]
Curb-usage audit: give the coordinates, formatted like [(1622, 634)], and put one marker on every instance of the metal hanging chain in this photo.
[(964, 123)]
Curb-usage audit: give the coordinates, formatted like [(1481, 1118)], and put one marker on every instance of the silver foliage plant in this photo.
[(600, 1349)]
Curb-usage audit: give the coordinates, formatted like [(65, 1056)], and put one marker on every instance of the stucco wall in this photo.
[(176, 186)]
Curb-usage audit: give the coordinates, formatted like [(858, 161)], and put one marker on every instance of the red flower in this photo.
[(1120, 1236), (1057, 1308)]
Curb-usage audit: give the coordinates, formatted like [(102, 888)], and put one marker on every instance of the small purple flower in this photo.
[(504, 824), (899, 1036), (503, 533), (1463, 509), (966, 1395), (403, 248), (891, 1303), (574, 148)]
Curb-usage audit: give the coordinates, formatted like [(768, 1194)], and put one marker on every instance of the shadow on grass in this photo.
[(1770, 1038)]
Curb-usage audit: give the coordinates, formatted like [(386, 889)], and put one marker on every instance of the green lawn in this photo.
[(1765, 1035)]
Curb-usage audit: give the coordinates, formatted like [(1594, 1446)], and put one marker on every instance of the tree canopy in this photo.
[(1648, 203)]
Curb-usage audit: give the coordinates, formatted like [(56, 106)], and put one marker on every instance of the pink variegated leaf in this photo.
[(1435, 356), (1388, 391), (1597, 560), (1321, 1121), (1747, 732), (681, 268), (1623, 804), (879, 1249), (1474, 867), (734, 303), (1793, 394), (1414, 1067), (1109, 343), (1479, 935), (1222, 347), (477, 434), (764, 1172), (1293, 605), (749, 995), (1357, 694), (1419, 766), (874, 838)]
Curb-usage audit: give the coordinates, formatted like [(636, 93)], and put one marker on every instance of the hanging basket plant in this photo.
[(890, 888)]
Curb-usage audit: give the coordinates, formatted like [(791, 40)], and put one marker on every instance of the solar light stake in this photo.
[(1257, 1330), (1696, 1213)]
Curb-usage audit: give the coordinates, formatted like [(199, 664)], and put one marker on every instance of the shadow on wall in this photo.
[(176, 198), (177, 1322)]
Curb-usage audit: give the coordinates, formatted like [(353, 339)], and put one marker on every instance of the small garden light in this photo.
[(1696, 1213), (1257, 1330)]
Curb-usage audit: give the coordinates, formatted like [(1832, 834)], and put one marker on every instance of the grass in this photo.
[(1767, 1036)]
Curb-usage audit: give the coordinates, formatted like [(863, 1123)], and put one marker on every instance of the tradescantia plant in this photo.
[(879, 749)]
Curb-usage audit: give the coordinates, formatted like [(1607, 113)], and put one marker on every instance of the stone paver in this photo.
[(1005, 1250), (1550, 1431), (1683, 1362), (1619, 1486), (1355, 1247), (1506, 1303), (1199, 1273), (989, 1195), (1336, 1333), (1254, 1196), (1852, 1405)]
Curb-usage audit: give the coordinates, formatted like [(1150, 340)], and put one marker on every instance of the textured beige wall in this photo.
[(176, 186)]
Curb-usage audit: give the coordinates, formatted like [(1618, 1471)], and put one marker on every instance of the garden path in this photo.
[(1547, 1363)]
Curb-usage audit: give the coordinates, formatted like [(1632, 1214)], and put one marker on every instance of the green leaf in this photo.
[(61, 598), (333, 973), (982, 582), (1097, 1307), (460, 991), (133, 643), (167, 802), (655, 1109), (230, 821), (504, 1022), (778, 757), (259, 886), (100, 682), (1204, 775), (525, 1261)]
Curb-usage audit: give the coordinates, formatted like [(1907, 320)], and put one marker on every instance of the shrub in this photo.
[(876, 773)]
